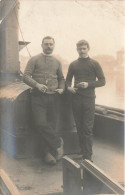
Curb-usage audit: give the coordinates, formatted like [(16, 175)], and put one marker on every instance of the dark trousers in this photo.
[(83, 111), (44, 115)]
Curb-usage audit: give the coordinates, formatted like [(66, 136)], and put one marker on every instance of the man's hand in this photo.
[(72, 90), (41, 87), (82, 85), (60, 91)]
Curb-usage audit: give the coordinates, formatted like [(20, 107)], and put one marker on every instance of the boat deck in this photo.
[(33, 177)]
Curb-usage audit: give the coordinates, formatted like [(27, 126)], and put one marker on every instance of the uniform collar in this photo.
[(87, 57), (46, 54)]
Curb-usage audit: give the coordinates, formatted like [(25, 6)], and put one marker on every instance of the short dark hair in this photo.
[(48, 37), (82, 42)]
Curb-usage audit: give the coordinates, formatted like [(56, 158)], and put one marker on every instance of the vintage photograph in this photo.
[(62, 97)]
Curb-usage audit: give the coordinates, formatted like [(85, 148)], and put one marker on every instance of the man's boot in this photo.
[(49, 159), (60, 150)]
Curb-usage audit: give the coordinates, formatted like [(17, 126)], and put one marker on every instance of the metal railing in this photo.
[(87, 179)]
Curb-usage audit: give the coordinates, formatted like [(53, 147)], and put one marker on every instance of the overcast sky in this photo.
[(99, 22)]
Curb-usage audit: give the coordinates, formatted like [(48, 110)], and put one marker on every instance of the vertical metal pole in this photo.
[(9, 49), (71, 177)]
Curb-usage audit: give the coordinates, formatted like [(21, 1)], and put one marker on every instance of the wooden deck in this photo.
[(33, 177)]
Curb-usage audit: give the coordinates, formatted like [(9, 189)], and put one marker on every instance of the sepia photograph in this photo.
[(62, 97)]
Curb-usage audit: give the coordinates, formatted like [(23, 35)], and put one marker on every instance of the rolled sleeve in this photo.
[(99, 75), (27, 77), (61, 80)]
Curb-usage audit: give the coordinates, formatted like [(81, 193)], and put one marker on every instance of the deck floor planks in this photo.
[(32, 177)]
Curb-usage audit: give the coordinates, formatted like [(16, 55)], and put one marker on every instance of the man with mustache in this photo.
[(87, 75), (44, 74)]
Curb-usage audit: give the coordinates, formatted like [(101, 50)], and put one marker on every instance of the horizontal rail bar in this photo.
[(8, 184), (101, 176)]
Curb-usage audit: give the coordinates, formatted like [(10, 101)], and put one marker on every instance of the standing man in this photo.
[(44, 74), (85, 72)]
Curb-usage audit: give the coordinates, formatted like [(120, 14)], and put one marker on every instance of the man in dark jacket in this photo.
[(85, 72), (44, 74)]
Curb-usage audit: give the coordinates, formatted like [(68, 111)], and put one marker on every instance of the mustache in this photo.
[(49, 49)]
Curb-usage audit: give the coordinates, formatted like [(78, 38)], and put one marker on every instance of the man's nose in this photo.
[(48, 45)]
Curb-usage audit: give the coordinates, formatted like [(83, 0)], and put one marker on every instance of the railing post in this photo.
[(71, 177)]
